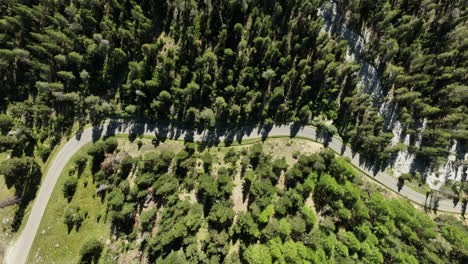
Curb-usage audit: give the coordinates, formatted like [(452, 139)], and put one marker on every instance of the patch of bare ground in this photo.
[(157, 220), (285, 147), (190, 196), (237, 196), (281, 181), (234, 248), (310, 201), (169, 43), (130, 256)]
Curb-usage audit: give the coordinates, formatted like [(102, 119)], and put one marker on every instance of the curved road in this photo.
[(18, 252)]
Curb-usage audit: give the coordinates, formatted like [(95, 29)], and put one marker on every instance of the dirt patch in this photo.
[(281, 181), (191, 196), (131, 256), (237, 196), (234, 248), (285, 147), (310, 202), (169, 43), (147, 146)]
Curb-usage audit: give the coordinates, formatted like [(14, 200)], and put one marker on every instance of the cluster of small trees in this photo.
[(73, 217), (313, 211)]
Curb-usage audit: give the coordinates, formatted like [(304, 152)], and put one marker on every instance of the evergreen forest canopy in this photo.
[(206, 63), (180, 208), (210, 62)]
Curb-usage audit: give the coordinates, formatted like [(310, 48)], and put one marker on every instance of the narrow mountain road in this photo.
[(18, 252)]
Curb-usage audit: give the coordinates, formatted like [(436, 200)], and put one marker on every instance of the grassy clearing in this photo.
[(53, 243), (7, 214), (132, 148), (286, 147)]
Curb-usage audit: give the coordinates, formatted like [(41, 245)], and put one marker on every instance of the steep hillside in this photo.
[(445, 167)]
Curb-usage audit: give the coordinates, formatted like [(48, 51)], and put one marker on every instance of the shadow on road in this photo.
[(228, 135)]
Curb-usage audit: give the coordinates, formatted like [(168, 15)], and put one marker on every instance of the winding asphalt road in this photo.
[(18, 252)]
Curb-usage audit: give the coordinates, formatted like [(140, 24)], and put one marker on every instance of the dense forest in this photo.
[(182, 208), (195, 62), (212, 62), (217, 63), (421, 48)]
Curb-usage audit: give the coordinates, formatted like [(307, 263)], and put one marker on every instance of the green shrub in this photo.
[(110, 145), (73, 217), (405, 177), (6, 123), (147, 218), (43, 152), (91, 251), (80, 161), (69, 187)]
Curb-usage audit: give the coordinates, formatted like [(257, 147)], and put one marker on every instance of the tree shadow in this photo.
[(90, 259), (463, 208), (343, 148), (70, 227), (132, 137), (294, 129), (79, 134), (325, 137), (400, 184), (27, 192), (455, 201), (78, 225), (266, 129), (435, 204)]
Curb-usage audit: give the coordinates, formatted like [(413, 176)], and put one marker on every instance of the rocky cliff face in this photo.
[(370, 83)]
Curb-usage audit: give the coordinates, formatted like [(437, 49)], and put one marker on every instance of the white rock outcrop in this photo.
[(370, 83)]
